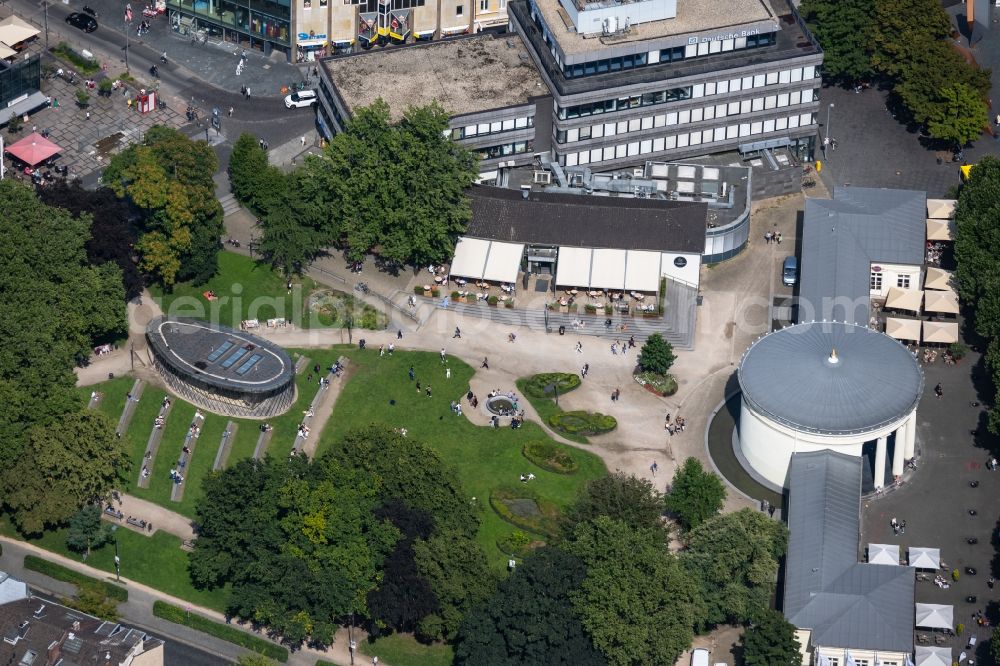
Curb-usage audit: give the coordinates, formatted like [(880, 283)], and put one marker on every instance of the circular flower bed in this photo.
[(539, 386), (550, 456), (582, 423), (662, 385)]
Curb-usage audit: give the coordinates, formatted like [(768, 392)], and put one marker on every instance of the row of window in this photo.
[(503, 150), (834, 661), (707, 136), (875, 282), (491, 128), (694, 91), (687, 116), (675, 54)]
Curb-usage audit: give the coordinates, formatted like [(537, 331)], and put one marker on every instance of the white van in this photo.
[(699, 657)]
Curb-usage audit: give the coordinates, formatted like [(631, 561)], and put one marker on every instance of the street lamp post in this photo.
[(46, 5), (352, 645), (118, 560), (827, 139)]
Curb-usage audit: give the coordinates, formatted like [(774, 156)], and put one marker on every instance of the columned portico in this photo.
[(878, 475), (899, 449), (909, 450)]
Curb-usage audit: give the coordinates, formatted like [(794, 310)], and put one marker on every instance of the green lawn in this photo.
[(546, 408), (404, 650), (157, 561), (113, 399), (484, 458)]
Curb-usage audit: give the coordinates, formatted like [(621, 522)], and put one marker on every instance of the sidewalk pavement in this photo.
[(139, 608), (161, 518)]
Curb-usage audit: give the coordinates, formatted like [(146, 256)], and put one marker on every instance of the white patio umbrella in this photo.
[(940, 230), (938, 278), (925, 558), (904, 299), (933, 656), (941, 301), (903, 329), (935, 616), (941, 209), (883, 553), (944, 332)]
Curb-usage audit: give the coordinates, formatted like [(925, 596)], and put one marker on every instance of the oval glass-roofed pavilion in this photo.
[(827, 385)]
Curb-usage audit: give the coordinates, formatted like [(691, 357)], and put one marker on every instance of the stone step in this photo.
[(229, 204)]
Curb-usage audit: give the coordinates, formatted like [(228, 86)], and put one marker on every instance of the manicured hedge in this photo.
[(535, 386), (546, 522), (178, 615), (550, 456), (582, 423), (59, 572)]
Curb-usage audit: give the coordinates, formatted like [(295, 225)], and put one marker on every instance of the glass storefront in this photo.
[(262, 24), (18, 79)]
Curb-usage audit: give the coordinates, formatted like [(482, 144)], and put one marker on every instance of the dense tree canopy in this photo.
[(656, 355), (627, 498), (377, 527), (530, 619), (636, 602), (733, 558), (695, 495), (168, 177), (87, 531), (771, 642), (977, 253), (53, 305), (905, 44)]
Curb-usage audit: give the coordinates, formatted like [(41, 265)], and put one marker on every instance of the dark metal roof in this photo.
[(582, 220), (788, 376), (842, 237), (220, 356), (844, 603)]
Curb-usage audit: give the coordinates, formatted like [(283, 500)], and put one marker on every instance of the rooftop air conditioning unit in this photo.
[(576, 180), (637, 172), (542, 178)]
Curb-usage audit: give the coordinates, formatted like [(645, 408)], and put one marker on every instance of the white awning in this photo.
[(941, 209), (925, 558), (940, 230), (14, 30), (941, 301), (470, 257), (937, 278), (903, 329), (608, 269), (6, 52), (944, 332), (883, 553), (935, 616), (642, 271), (932, 655), (573, 269), (904, 299), (503, 262)]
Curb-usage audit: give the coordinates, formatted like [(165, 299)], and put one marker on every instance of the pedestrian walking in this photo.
[(486, 363), (458, 333), (579, 347), (778, 237), (399, 334), (938, 390), (442, 355), (243, 90), (447, 373), (231, 112), (302, 140), (248, 92), (653, 468)]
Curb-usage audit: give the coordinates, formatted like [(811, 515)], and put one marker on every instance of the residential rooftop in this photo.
[(693, 16), (464, 75)]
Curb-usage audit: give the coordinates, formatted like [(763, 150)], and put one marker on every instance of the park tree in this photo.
[(530, 618), (656, 355), (636, 602), (67, 463), (87, 531), (112, 236), (454, 565), (959, 115), (995, 645), (92, 599), (733, 559), (843, 28), (168, 178), (901, 29), (394, 188), (695, 495), (771, 641), (620, 496), (257, 184)]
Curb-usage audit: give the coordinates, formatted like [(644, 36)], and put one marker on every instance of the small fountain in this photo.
[(500, 405)]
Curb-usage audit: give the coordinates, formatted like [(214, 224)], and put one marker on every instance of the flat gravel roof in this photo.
[(787, 375), (220, 356)]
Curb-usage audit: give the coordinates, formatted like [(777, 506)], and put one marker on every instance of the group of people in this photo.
[(303, 431), (383, 349), (934, 251), (773, 237), (527, 477), (623, 346), (673, 427), (898, 526), (176, 477)]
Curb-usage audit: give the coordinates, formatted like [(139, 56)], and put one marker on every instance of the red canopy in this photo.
[(33, 149)]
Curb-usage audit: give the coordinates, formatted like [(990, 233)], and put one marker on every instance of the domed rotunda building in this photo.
[(827, 385)]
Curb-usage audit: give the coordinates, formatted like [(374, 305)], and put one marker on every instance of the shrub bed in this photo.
[(550, 456), (178, 615), (535, 386), (542, 519), (582, 423), (662, 385), (518, 542), (85, 65), (59, 572)]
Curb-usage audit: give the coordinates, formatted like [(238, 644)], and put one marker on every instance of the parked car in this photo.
[(790, 271), (699, 657), (302, 98), (82, 22)]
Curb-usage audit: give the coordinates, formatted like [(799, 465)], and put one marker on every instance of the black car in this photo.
[(82, 21)]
